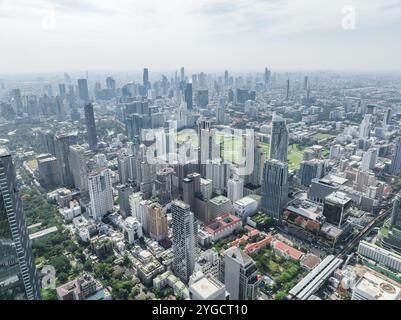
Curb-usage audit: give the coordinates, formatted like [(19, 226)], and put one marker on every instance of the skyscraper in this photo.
[(90, 126), (110, 83), (77, 161), (369, 159), (240, 274), (395, 168), (188, 96), (235, 189), (274, 188), (62, 150), (364, 127), (387, 116), (17, 264), (100, 192), (279, 139), (226, 78), (393, 237), (287, 90), (146, 82), (83, 91), (267, 77), (185, 230), (306, 83), (255, 178), (395, 221), (62, 90), (157, 222), (309, 170)]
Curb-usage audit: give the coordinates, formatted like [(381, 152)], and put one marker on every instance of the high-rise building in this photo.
[(274, 188), (255, 178), (287, 90), (111, 84), (188, 96), (191, 186), (62, 90), (146, 82), (395, 167), (165, 185), (279, 139), (226, 78), (235, 189), (49, 171), (62, 150), (100, 192), (17, 265), (369, 159), (336, 208), (185, 229), (202, 98), (306, 83), (387, 116), (395, 221), (310, 170), (124, 193), (364, 127), (393, 237), (157, 222), (240, 274), (267, 77), (47, 138), (77, 160), (83, 91), (90, 126)]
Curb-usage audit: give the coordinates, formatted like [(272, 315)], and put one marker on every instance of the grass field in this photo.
[(322, 136), (231, 148), (295, 154), (186, 134), (265, 147)]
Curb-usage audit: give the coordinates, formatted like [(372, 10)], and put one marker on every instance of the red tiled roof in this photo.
[(292, 252)]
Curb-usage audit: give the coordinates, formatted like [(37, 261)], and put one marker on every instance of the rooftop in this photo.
[(377, 287), (206, 287), (219, 200), (4, 152), (292, 252)]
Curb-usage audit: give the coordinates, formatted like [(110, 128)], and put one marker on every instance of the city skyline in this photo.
[(240, 150)]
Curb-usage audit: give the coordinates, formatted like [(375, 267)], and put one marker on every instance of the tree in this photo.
[(281, 295), (60, 263), (49, 294), (88, 265), (62, 278), (126, 261)]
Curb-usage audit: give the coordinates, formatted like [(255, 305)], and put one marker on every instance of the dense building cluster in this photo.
[(203, 186)]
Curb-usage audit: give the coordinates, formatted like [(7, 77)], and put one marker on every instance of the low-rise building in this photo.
[(149, 271), (284, 250), (222, 226), (245, 207), (82, 288), (372, 287)]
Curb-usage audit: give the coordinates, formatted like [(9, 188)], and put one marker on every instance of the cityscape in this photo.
[(192, 184)]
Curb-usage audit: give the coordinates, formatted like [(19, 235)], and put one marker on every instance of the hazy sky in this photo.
[(74, 35)]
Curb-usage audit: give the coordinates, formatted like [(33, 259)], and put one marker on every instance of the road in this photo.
[(363, 233)]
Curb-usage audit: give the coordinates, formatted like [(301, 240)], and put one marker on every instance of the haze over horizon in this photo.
[(71, 35)]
